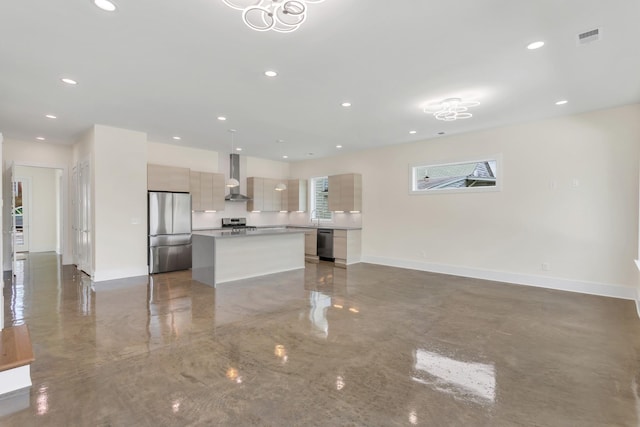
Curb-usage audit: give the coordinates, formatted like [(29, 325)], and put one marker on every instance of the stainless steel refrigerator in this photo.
[(169, 231)]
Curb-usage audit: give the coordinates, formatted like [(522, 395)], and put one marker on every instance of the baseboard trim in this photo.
[(104, 275), (637, 296), (580, 286)]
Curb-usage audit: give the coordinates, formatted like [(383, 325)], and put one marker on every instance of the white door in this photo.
[(13, 219), (84, 212), (20, 210)]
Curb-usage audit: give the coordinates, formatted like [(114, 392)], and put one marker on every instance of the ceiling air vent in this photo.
[(589, 36)]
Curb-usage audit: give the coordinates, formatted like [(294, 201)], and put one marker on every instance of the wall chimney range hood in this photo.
[(234, 172)]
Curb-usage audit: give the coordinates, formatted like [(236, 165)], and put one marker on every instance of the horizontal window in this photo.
[(464, 176)]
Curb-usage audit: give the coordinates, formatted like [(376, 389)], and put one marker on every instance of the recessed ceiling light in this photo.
[(564, 101), (535, 45), (238, 149), (338, 146), (50, 116), (222, 118), (270, 73), (106, 5), (285, 157), (346, 104), (69, 81), (177, 138), (40, 138), (413, 132)]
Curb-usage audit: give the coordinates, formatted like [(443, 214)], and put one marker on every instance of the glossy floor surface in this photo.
[(367, 346)]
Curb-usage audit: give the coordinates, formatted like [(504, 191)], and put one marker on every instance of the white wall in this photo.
[(42, 204), (588, 234), (186, 157), (120, 208), (40, 155)]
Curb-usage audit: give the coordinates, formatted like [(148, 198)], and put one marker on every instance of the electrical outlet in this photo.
[(546, 266)]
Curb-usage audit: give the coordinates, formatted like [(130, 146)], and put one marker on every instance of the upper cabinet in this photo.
[(207, 191), (345, 192), (296, 193), (168, 178), (265, 197)]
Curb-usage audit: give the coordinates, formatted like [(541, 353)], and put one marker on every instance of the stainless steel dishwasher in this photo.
[(325, 244)]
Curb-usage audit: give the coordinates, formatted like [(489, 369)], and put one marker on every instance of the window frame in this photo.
[(483, 189), (313, 210)]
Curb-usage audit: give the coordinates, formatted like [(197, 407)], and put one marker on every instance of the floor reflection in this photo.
[(465, 380), (369, 345)]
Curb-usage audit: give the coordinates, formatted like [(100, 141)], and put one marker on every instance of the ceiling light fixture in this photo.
[(40, 138), (535, 45), (346, 104), (338, 146), (222, 118), (270, 73), (69, 81), (105, 5), (238, 149), (450, 109), (564, 101), (51, 116), (177, 138), (283, 16), (232, 182), (413, 132)]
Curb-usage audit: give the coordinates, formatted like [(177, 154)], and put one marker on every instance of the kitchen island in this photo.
[(224, 256)]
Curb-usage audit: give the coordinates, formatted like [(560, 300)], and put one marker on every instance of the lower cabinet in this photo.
[(310, 244), (347, 247)]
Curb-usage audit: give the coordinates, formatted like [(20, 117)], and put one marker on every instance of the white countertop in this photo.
[(223, 234), (325, 226), (281, 226)]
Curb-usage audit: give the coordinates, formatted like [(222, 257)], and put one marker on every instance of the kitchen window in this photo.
[(465, 176), (320, 199)]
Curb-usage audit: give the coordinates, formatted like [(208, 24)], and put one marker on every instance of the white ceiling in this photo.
[(170, 67)]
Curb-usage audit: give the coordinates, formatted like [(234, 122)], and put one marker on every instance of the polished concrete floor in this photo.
[(369, 346)]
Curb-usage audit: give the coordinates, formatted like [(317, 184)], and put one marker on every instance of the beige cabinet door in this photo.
[(311, 242), (206, 187), (194, 189), (340, 244), (218, 192), (297, 195), (351, 192), (255, 191), (168, 178), (335, 190), (345, 192)]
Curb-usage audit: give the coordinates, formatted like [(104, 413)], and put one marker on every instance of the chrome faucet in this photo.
[(317, 217)]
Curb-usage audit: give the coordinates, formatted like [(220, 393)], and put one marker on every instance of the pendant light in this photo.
[(281, 185), (232, 182)]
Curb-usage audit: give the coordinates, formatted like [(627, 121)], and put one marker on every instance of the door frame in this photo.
[(64, 220), (26, 201)]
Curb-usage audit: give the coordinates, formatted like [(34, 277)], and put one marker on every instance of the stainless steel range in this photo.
[(237, 224)]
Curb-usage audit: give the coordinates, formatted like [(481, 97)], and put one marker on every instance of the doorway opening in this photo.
[(36, 210)]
